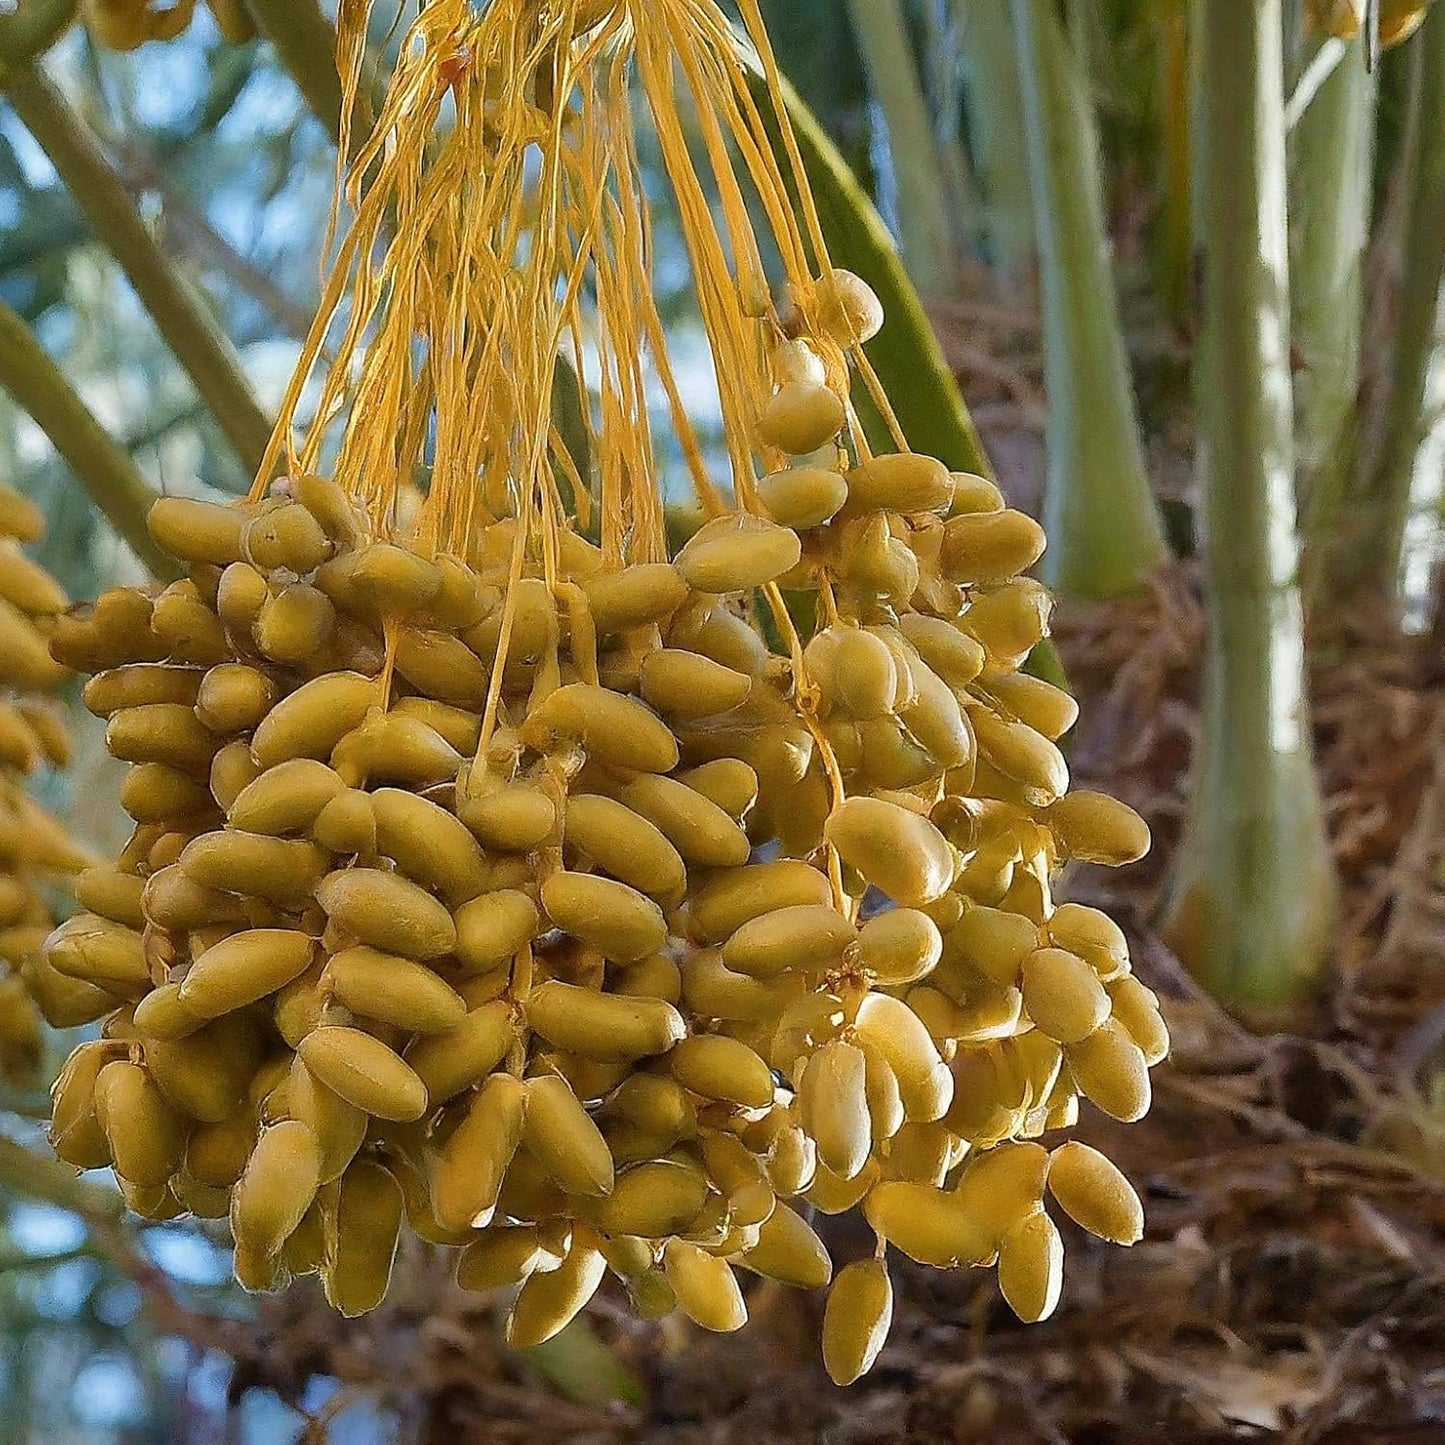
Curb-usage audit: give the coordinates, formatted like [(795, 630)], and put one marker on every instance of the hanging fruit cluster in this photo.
[(34, 849), (508, 882), (129, 24)]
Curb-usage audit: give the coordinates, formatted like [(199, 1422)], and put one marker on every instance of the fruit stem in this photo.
[(99, 463), (1252, 903), (1105, 534), (30, 1175), (940, 62), (905, 354)]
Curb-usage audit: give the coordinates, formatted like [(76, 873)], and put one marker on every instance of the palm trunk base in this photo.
[(1252, 911)]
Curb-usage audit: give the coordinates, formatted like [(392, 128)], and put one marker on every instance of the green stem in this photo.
[(1105, 535), (1313, 73), (580, 1367), (1372, 564), (1397, 124), (1422, 553), (1329, 197), (305, 43), (893, 76), (1252, 906), (943, 90), (1175, 249), (199, 344), (26, 1103), (996, 121), (820, 57), (100, 465), (1077, 29), (27, 1174), (28, 31), (13, 1262)]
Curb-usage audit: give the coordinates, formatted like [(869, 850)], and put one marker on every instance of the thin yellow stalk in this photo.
[(29, 30), (1176, 238), (905, 354)]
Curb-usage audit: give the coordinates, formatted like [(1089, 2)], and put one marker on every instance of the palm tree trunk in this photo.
[(1105, 535), (923, 223), (1372, 563), (996, 120), (1330, 213), (1252, 907)]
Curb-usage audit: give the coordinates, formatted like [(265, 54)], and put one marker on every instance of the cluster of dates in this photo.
[(568, 924), (35, 852)]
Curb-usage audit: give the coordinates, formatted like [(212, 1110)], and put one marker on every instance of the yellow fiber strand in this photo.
[(499, 217)]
